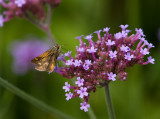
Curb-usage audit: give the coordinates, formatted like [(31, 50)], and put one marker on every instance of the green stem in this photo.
[(49, 14), (109, 102), (91, 114), (43, 26), (38, 24), (50, 36), (37, 103)]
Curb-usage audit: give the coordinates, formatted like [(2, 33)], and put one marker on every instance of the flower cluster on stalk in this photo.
[(103, 61), (23, 8)]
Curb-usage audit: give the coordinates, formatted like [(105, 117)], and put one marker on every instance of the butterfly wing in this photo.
[(46, 64), (42, 56)]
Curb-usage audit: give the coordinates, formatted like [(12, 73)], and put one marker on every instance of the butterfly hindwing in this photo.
[(52, 62)]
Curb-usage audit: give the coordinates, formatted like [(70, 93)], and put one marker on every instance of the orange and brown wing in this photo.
[(46, 64), (45, 54), (42, 64)]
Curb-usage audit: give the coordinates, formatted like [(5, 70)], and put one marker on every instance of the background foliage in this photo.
[(136, 98)]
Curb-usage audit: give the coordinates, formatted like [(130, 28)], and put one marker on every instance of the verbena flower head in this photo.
[(23, 52), (20, 8), (103, 61)]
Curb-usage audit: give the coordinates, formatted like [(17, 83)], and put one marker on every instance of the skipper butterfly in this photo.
[(47, 60)]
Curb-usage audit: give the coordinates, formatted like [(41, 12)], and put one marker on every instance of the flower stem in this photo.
[(43, 26), (49, 14), (35, 22), (50, 36), (37, 103), (91, 114), (109, 102)]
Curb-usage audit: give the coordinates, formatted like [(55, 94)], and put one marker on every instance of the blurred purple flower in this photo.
[(23, 52)]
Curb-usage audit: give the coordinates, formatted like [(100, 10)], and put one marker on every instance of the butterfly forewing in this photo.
[(45, 54)]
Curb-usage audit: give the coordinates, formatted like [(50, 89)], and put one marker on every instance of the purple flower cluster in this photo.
[(20, 8), (103, 61)]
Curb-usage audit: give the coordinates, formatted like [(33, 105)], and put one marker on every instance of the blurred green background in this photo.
[(136, 98)]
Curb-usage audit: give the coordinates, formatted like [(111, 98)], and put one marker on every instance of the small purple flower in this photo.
[(113, 54), (124, 34), (69, 62), (109, 43), (124, 48), (68, 95), (61, 57), (150, 45), (77, 63), (128, 56), (88, 37), (142, 39), (127, 31), (56, 69), (20, 3), (82, 92), (144, 51), (151, 60), (1, 20), (118, 35), (111, 76), (146, 42), (124, 27), (66, 87), (84, 106), (68, 53), (80, 49), (92, 50), (139, 32), (88, 62), (106, 29), (79, 82), (80, 39), (98, 32), (86, 67)]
